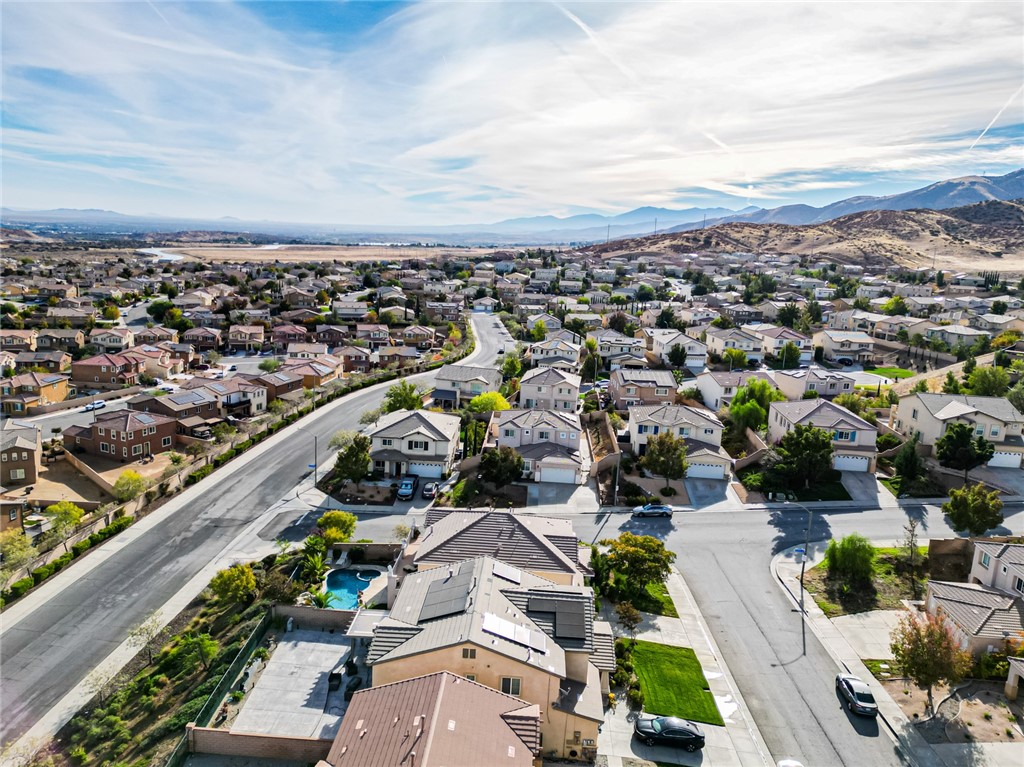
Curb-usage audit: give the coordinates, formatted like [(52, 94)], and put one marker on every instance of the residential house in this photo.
[(124, 435), (420, 336), (106, 371), (590, 320), (627, 387), (544, 546), (443, 311), (112, 340), (717, 388), (700, 428), (304, 351), (332, 335), (15, 340), (156, 335), (718, 340), (611, 343), (317, 372), (191, 408), (283, 335), (957, 335), (550, 322), (373, 335), (299, 299), (853, 438), (21, 454), (556, 352), (661, 341), (246, 337), (550, 441), (418, 442), (796, 384), (399, 356), (468, 725), (774, 340), (856, 319), (236, 396), (54, 362), (57, 290), (156, 361), (350, 311), (354, 359), (741, 314), (854, 345), (548, 388), (999, 566), (61, 339), (73, 318), (30, 390), (278, 383), (994, 418), (504, 628), (487, 305), (203, 339), (457, 384), (980, 617)]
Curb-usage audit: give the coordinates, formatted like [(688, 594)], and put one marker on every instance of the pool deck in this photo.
[(291, 695)]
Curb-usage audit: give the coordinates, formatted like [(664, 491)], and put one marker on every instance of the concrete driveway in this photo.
[(863, 486), (573, 499), (706, 492), (1010, 479), (868, 633)]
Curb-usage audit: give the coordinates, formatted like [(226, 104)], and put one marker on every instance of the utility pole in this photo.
[(655, 227), (608, 236)]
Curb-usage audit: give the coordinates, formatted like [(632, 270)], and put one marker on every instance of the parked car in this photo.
[(233, 367), (844, 361), (167, 388), (653, 510), (97, 405), (430, 490), (407, 487), (857, 695), (670, 731), (201, 366)]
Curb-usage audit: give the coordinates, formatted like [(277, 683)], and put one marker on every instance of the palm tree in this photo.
[(592, 355), (322, 599), (314, 567)]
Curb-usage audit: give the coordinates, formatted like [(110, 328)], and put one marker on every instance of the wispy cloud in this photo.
[(444, 112)]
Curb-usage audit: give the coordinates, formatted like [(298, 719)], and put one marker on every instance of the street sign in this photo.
[(310, 465)]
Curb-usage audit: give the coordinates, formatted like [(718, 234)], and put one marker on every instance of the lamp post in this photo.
[(803, 568)]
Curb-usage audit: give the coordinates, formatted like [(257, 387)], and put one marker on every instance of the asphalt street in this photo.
[(53, 648)]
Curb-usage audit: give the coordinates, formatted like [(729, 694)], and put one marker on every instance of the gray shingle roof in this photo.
[(401, 423), (1011, 553), (673, 415), (819, 413), (979, 610), (994, 407)]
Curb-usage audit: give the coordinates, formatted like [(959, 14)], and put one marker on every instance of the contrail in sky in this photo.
[(998, 114)]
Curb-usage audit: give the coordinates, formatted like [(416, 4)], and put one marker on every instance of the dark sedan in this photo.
[(857, 695), (669, 731)]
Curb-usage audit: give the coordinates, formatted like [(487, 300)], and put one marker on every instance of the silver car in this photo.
[(857, 695)]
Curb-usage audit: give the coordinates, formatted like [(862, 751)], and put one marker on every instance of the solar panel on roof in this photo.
[(143, 418), (571, 620), (448, 596), (507, 572), (513, 632), (540, 605)]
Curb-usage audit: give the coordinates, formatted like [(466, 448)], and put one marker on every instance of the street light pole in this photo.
[(316, 462), (803, 568)]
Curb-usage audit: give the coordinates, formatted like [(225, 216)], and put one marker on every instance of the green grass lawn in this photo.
[(656, 600), (673, 683), (825, 491), (923, 488), (892, 372)]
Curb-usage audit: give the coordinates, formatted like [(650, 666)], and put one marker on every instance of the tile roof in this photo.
[(819, 413), (532, 419), (548, 376), (402, 423), (1011, 553), (978, 610), (673, 415), (994, 407)]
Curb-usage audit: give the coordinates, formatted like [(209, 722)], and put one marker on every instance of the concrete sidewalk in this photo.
[(739, 743)]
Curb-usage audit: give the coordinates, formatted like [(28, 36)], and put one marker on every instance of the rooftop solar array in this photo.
[(513, 632), (143, 418), (507, 572), (447, 596), (570, 616)]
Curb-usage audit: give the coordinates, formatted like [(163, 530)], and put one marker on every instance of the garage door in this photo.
[(1005, 460), (565, 476), (706, 471), (430, 470), (850, 463)]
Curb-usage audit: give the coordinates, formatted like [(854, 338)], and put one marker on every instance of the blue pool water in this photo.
[(346, 585)]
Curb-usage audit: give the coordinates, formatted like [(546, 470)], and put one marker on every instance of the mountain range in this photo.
[(584, 228)]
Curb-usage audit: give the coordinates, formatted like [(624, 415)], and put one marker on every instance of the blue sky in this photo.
[(464, 112)]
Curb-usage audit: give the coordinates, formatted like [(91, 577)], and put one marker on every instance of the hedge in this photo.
[(199, 474), (18, 588)]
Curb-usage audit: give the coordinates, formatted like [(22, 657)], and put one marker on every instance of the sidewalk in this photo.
[(786, 569), (738, 744)]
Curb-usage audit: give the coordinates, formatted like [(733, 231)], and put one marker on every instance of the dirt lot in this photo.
[(979, 713)]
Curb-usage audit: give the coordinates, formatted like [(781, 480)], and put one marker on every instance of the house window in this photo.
[(1018, 584), (13, 515), (509, 432), (994, 431), (979, 431), (511, 685), (166, 442), (843, 436), (986, 560), (5, 456), (17, 474), (471, 677), (630, 390), (572, 435), (104, 447), (709, 431), (387, 442), (417, 445), (124, 451), (913, 414), (469, 652), (136, 449), (543, 435), (661, 392)]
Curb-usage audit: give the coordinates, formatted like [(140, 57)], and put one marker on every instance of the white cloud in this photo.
[(532, 107)]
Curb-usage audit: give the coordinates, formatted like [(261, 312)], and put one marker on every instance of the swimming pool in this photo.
[(346, 584)]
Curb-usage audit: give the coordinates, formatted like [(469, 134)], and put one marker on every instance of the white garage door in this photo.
[(1007, 460), (850, 463), (431, 470), (706, 471), (565, 476)]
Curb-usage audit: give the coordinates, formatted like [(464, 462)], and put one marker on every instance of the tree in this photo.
[(128, 486), (511, 367), (64, 518), (951, 385), (974, 509), (850, 559), (314, 564), (895, 305), (908, 464), (16, 551), (760, 391), (270, 365), (805, 454), (540, 331), (111, 313), (640, 559), (337, 526), (789, 356), (342, 439), (959, 449), (989, 382), (1016, 396), (502, 466), (404, 395), (213, 357), (999, 307), (736, 358), (666, 457), (201, 647), (924, 649), (629, 618), (789, 313), (747, 415), (322, 599), (144, 633), (353, 463), (234, 584), (593, 359), (158, 309), (487, 402), (677, 356), (371, 416)]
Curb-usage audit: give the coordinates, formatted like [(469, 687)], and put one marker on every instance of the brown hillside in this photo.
[(986, 236)]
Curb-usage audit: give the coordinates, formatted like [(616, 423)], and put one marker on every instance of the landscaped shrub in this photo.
[(635, 698), (62, 561), (40, 574), (80, 548), (668, 491), (18, 588), (199, 474)]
